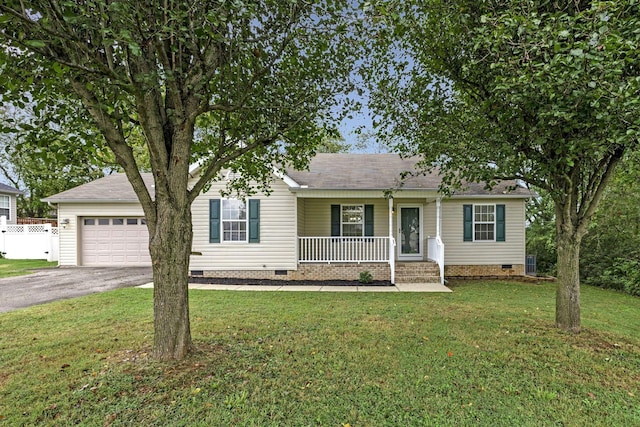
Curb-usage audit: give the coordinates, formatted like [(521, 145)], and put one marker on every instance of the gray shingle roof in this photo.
[(380, 172), (112, 188), (343, 171), (7, 189)]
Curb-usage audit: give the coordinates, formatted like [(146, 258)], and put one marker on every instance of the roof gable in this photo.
[(7, 189), (114, 188)]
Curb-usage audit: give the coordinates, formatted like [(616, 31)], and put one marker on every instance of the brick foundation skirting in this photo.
[(480, 271), (349, 271), (379, 271)]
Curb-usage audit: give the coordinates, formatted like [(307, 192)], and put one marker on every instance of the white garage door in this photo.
[(114, 241)]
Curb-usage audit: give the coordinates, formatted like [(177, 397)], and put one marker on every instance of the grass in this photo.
[(20, 267), (485, 355)]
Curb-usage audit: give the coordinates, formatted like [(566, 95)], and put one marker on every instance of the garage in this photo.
[(114, 241)]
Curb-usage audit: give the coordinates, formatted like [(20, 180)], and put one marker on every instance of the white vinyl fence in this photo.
[(28, 241)]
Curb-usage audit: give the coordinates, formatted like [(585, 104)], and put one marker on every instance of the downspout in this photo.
[(392, 244)]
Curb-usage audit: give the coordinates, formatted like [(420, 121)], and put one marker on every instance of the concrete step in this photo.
[(420, 271), (417, 279), (417, 272)]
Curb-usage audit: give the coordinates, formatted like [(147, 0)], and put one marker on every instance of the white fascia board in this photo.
[(286, 178), (194, 168), (89, 201), (489, 196)]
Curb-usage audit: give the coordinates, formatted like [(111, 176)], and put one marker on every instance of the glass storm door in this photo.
[(410, 233)]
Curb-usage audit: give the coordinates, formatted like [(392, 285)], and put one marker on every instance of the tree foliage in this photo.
[(541, 233), (611, 250), (43, 163), (610, 253), (545, 92), (232, 84)]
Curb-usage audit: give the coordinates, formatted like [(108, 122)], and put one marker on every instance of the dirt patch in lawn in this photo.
[(274, 282)]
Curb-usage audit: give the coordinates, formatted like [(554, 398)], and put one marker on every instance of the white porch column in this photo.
[(392, 246), (439, 238), (439, 217)]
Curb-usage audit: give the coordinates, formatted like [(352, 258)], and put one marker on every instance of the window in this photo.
[(89, 221), (484, 223), (5, 207), (132, 221), (118, 221), (103, 221), (484, 217), (234, 221), (352, 220)]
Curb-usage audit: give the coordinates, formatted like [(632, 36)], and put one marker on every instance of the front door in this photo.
[(410, 233)]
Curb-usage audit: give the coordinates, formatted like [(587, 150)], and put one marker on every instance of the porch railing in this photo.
[(343, 249), (436, 253)]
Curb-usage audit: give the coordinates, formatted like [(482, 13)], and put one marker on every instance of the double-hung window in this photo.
[(352, 220), (5, 207), (484, 223), (234, 220)]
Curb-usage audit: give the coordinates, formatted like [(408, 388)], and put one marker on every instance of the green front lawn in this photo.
[(19, 267), (486, 355)]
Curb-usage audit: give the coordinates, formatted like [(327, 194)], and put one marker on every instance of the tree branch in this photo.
[(115, 140)]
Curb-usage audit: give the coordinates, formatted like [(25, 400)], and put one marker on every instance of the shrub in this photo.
[(365, 277), (624, 275)]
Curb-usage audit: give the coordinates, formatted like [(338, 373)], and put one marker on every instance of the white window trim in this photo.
[(222, 221), (8, 205), (494, 222), (351, 223)]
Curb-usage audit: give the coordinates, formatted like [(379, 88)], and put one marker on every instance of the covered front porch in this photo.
[(358, 230)]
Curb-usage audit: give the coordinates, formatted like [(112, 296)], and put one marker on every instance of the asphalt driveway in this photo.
[(67, 282)]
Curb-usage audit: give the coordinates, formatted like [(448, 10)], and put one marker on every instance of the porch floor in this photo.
[(399, 287)]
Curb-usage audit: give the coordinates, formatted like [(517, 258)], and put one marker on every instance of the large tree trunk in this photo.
[(568, 288), (170, 248)]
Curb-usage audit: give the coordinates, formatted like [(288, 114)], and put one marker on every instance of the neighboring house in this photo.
[(8, 196), (332, 221)]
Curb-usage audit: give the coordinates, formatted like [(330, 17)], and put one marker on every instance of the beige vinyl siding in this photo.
[(430, 220), (12, 218), (317, 218), (69, 236), (302, 209), (277, 249), (458, 252), (13, 204)]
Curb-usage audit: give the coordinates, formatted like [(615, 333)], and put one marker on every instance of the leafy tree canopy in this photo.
[(545, 92), (230, 84)]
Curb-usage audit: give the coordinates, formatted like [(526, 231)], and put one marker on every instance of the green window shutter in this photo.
[(368, 220), (254, 221), (335, 220), (214, 221), (500, 223), (468, 222)]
